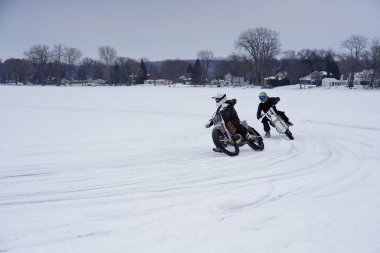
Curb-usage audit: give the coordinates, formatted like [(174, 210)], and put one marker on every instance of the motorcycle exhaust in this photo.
[(238, 138)]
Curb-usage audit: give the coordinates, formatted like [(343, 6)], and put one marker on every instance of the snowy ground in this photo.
[(130, 169)]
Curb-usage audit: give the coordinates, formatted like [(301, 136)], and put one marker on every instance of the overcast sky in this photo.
[(169, 29)]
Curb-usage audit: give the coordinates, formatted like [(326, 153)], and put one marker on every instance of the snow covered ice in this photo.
[(131, 169)]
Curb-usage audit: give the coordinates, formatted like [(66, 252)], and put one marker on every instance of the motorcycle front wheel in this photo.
[(228, 146)]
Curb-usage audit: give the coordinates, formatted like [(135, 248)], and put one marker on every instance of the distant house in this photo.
[(185, 79), (305, 80), (281, 75), (239, 80), (329, 81), (217, 82), (149, 81), (163, 82), (280, 79), (268, 80), (360, 78), (363, 77), (230, 79), (314, 78), (158, 82), (320, 78)]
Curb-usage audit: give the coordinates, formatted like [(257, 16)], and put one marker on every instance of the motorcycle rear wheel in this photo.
[(257, 142), (229, 147), (256, 145)]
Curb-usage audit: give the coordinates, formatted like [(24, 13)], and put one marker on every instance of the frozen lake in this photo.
[(131, 169)]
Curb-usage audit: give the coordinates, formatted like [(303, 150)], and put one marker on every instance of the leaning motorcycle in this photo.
[(226, 138), (277, 122)]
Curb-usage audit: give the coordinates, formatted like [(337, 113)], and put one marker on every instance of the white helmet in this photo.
[(220, 98)]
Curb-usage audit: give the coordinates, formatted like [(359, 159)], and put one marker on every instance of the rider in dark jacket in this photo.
[(264, 106), (227, 111)]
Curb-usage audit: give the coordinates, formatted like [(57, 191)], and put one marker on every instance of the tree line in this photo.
[(257, 55)]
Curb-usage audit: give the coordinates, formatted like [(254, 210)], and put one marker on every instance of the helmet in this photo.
[(220, 98), (263, 97)]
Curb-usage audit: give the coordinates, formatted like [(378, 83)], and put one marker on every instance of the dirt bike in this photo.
[(228, 141), (277, 122)]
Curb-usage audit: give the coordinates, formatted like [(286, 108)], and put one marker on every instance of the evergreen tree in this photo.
[(116, 71), (189, 69), (332, 68), (81, 74), (143, 73), (196, 74), (335, 71)]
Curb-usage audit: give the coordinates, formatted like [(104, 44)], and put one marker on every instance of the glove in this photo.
[(208, 124)]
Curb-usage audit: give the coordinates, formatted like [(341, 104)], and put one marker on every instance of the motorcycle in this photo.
[(228, 141), (277, 122)]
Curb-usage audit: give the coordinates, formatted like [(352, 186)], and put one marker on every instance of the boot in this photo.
[(267, 134)]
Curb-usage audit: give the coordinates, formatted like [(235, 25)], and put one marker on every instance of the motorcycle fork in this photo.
[(226, 132)]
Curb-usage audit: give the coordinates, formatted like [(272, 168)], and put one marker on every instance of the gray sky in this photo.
[(168, 29)]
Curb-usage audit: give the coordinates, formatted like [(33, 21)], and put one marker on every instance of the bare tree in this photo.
[(16, 70), (152, 68), (2, 71), (293, 66), (132, 67), (88, 68), (122, 73), (373, 56), (237, 66), (108, 57), (71, 56), (128, 70), (206, 57), (57, 58), (39, 56), (262, 45), (173, 69), (355, 45), (314, 59)]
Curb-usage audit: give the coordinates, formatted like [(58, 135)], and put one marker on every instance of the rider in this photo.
[(266, 103), (226, 109)]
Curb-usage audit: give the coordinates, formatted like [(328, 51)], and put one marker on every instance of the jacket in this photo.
[(264, 107), (228, 112)]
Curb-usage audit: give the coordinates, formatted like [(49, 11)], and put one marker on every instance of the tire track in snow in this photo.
[(318, 160), (338, 168)]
